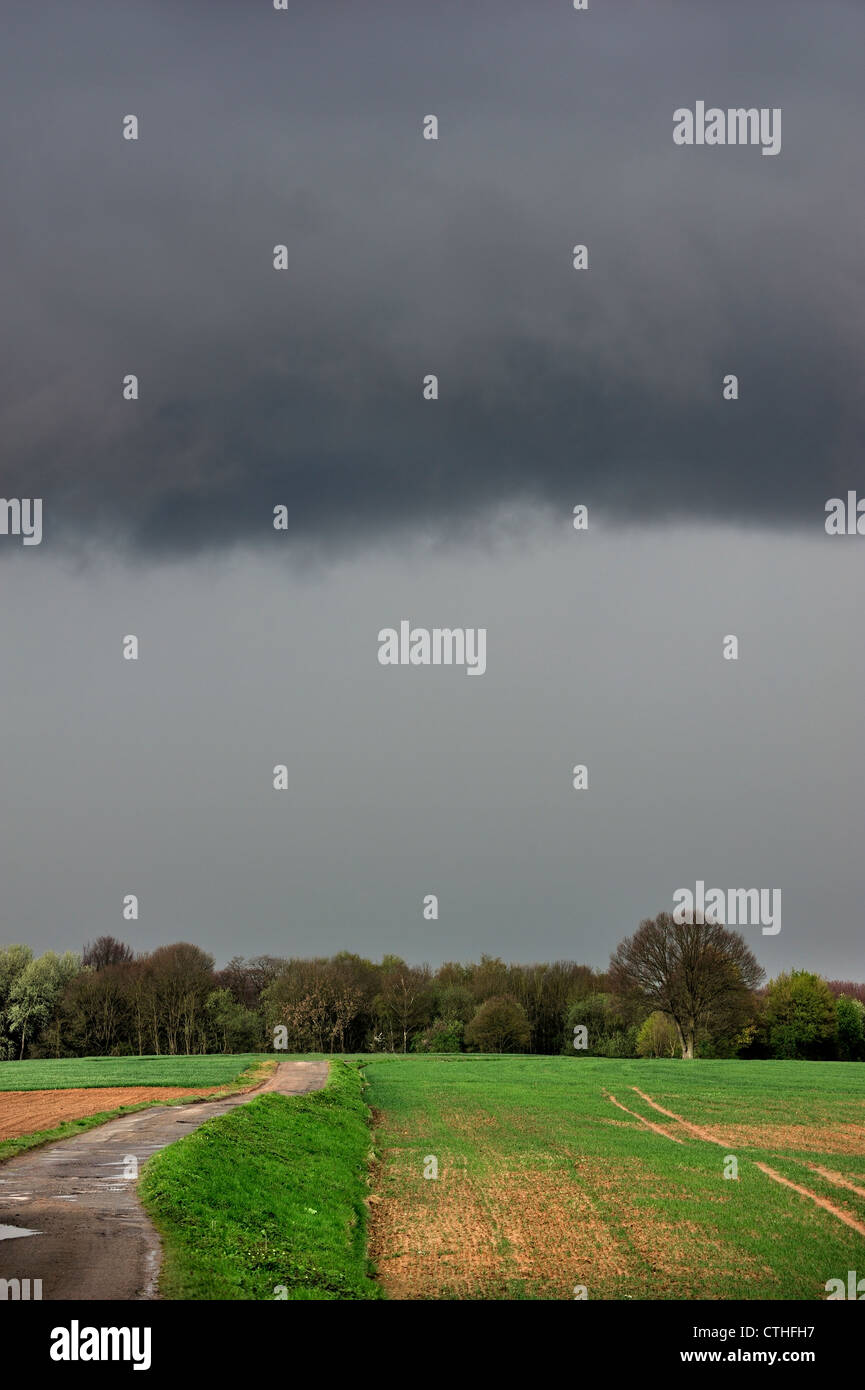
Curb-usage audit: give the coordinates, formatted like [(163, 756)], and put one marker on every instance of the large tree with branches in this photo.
[(690, 971)]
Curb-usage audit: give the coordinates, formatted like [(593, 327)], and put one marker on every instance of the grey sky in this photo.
[(304, 388), (155, 777)]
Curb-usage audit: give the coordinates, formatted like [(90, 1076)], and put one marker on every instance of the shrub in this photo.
[(455, 1001), (609, 1032), (443, 1035), (500, 1025), (658, 1037), (850, 1020), (800, 1016)]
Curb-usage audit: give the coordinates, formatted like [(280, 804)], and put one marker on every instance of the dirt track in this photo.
[(73, 1196)]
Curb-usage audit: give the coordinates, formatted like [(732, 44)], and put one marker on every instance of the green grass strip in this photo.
[(67, 1073), (268, 1202)]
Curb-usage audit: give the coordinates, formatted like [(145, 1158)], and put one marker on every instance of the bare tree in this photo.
[(106, 950), (248, 978), (405, 998), (689, 971)]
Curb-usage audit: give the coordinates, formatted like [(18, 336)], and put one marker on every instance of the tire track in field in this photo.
[(642, 1119), (815, 1197), (671, 1115), (837, 1179)]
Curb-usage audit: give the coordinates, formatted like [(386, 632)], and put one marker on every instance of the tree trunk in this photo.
[(686, 1039)]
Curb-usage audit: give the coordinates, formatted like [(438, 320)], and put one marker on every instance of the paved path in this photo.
[(87, 1234)]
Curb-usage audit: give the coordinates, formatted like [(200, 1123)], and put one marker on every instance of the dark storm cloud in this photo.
[(409, 257)]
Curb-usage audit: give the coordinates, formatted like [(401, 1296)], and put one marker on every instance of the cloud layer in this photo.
[(410, 257)]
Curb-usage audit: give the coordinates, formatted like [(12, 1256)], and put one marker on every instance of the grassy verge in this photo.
[(268, 1202), (252, 1076)]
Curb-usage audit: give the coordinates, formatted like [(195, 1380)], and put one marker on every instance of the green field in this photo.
[(68, 1072), (545, 1185)]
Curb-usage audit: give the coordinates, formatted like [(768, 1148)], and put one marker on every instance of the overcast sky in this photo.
[(303, 388)]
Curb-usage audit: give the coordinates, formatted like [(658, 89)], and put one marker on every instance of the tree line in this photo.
[(670, 989)]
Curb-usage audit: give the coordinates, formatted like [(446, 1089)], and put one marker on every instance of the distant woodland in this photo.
[(669, 991)]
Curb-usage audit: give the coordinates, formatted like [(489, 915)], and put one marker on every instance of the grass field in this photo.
[(545, 1184), (68, 1072), (268, 1202)]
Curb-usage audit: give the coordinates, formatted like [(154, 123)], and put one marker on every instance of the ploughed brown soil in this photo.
[(468, 1236), (23, 1112)]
